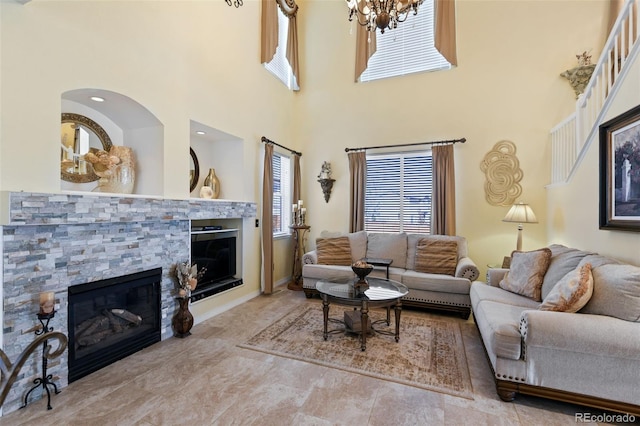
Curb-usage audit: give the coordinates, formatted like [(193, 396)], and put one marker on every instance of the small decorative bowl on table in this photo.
[(361, 269)]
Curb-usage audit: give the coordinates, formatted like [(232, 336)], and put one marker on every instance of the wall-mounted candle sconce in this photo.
[(326, 182)]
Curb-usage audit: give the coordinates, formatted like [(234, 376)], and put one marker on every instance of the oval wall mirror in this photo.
[(78, 136), (194, 172)]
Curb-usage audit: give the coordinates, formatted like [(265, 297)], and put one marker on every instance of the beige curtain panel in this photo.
[(357, 182), (443, 206), (269, 30), (267, 220), (269, 33), (297, 180), (445, 30), (365, 48)]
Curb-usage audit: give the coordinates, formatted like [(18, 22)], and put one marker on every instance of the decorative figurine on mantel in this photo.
[(326, 182)]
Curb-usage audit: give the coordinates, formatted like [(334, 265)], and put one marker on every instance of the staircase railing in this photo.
[(571, 138)]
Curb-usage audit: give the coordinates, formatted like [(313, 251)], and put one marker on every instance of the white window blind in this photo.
[(398, 192), (406, 49), (281, 193), (279, 65)]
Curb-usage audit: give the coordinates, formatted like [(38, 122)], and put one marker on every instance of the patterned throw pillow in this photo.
[(334, 251), (527, 272), (436, 256), (572, 292)]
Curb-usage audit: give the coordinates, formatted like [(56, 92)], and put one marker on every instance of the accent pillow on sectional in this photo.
[(572, 292), (526, 273), (357, 241), (334, 251), (616, 292), (436, 256), (563, 261), (413, 239)]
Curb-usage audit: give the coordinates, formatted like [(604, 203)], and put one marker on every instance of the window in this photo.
[(279, 65), (398, 192), (406, 49), (281, 194)]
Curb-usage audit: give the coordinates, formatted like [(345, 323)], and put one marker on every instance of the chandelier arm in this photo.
[(358, 15)]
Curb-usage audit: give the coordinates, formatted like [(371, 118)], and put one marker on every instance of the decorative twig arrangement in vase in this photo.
[(188, 276)]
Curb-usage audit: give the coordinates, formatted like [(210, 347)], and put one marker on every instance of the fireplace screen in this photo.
[(111, 319)]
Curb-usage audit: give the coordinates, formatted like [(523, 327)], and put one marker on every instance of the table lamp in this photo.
[(520, 213)]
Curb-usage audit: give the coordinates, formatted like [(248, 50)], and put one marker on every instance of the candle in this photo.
[(293, 208), (47, 302), (299, 203)]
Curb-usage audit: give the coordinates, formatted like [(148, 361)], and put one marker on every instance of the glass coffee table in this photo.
[(380, 293)]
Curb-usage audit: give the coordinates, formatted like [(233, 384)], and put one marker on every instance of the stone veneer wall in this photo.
[(53, 241)]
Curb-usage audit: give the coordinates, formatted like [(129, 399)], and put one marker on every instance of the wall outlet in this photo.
[(257, 223)]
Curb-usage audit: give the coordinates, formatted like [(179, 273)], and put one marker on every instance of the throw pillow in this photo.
[(436, 256), (333, 251), (527, 272), (572, 292), (616, 292)]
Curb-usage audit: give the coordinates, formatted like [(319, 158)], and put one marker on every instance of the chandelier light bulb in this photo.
[(381, 14)]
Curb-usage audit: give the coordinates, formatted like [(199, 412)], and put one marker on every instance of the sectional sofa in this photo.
[(562, 340), (436, 268)]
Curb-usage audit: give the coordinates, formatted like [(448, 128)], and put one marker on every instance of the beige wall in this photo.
[(507, 86), (199, 60), (181, 60), (573, 208)]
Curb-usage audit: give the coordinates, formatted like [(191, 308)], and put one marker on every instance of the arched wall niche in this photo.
[(128, 123)]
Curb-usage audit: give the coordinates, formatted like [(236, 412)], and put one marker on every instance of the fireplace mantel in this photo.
[(51, 242), (30, 208)]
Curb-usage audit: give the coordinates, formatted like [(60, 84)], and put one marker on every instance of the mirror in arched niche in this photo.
[(194, 170), (128, 124), (80, 135)]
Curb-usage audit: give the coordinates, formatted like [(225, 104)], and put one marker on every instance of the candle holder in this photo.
[(47, 379)]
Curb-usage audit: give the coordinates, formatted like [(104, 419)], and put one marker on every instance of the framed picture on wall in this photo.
[(620, 172)]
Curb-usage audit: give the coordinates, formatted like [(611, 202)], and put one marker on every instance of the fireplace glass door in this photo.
[(111, 319)]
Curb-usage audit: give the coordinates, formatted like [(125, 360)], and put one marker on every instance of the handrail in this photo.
[(572, 137)]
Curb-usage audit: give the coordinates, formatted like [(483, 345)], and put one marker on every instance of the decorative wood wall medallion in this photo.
[(503, 174)]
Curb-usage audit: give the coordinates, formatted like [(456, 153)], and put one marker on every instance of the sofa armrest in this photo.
[(310, 257), (583, 333), (495, 275), (467, 269)]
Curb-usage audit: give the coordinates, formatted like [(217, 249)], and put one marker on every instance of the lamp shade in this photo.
[(520, 213)]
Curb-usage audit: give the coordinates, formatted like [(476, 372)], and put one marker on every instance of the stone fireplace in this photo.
[(51, 242)]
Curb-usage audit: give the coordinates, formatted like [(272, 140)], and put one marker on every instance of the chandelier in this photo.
[(236, 3), (381, 14)]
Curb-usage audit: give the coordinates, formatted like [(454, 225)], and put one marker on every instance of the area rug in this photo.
[(430, 354)]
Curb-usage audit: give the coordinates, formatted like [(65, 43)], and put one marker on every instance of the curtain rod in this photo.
[(452, 141), (265, 140)]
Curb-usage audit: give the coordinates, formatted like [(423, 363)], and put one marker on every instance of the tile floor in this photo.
[(206, 379)]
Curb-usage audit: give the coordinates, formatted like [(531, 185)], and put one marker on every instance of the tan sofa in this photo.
[(591, 357), (436, 291)]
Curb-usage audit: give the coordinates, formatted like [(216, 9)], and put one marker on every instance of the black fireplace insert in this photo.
[(112, 319)]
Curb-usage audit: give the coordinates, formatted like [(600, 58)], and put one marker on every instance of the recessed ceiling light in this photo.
[(97, 99), (200, 132)]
